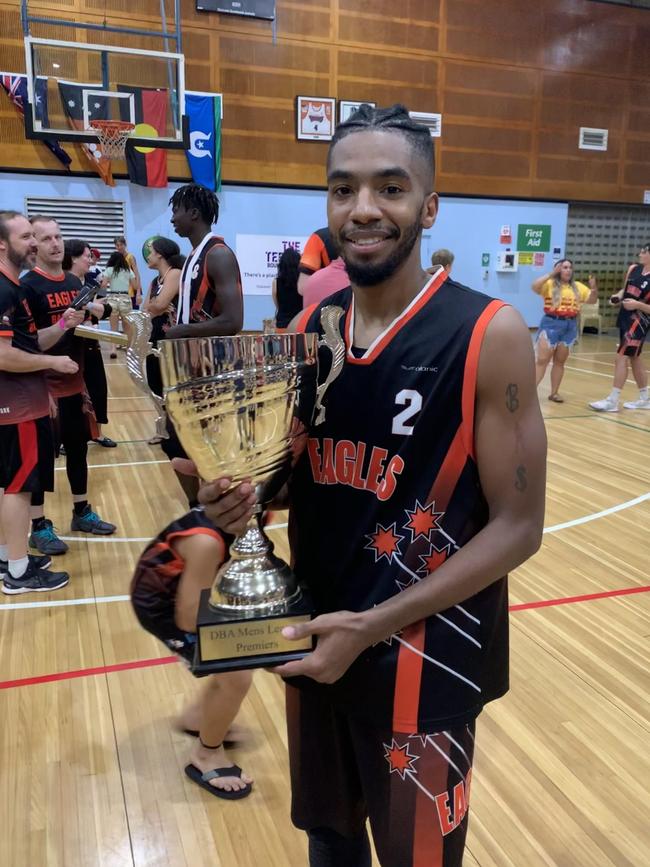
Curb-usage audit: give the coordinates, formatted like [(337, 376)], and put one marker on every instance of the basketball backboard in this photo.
[(71, 84)]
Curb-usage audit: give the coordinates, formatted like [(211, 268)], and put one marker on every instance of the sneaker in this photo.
[(90, 522), (637, 404), (39, 562), (34, 581), (113, 355), (605, 405), (46, 541), (107, 442)]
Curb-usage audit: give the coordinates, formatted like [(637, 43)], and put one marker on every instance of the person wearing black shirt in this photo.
[(26, 445), (288, 301), (49, 290)]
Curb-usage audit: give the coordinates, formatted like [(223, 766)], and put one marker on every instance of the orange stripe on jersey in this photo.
[(304, 318), (10, 277), (428, 840), (407, 679), (425, 295), (471, 372), (199, 531)]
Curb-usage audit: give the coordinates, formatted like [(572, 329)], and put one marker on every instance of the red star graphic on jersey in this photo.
[(422, 520), (384, 542), (435, 558), (399, 758)]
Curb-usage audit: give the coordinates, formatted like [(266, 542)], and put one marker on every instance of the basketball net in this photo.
[(113, 136)]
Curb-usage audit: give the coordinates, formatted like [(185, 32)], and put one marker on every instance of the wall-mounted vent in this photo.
[(433, 121), (592, 139)]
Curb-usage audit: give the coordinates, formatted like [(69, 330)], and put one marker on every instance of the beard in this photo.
[(25, 262), (369, 273)]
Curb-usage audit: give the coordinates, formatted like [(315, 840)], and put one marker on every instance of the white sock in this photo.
[(17, 568), (643, 395), (4, 552), (615, 394)]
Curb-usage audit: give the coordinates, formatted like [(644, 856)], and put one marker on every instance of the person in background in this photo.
[(634, 324), (325, 282), (118, 279), (135, 291), (161, 303), (558, 331), (319, 251), (165, 590), (94, 275), (77, 260), (441, 257), (285, 288)]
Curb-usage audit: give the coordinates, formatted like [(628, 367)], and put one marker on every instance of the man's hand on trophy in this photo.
[(230, 511), (342, 636)]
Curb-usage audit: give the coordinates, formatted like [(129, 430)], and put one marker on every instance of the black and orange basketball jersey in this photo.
[(23, 396), (318, 253), (202, 301), (388, 489), (637, 322), (49, 296), (159, 569)]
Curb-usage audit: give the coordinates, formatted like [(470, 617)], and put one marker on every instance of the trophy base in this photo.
[(234, 642)]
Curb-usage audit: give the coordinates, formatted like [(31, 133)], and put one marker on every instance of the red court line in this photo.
[(88, 672), (567, 600), (166, 660)]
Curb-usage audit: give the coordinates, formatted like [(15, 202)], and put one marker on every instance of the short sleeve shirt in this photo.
[(569, 305)]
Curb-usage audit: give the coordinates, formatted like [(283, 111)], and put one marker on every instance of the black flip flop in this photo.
[(203, 780)]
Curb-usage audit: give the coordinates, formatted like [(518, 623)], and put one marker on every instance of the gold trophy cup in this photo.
[(241, 407)]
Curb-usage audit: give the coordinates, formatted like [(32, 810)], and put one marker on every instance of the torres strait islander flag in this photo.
[(204, 153), (147, 166)]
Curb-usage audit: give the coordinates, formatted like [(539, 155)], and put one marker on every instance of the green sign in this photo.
[(485, 260), (537, 239)]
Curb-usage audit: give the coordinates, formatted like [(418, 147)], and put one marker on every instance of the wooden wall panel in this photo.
[(514, 82)]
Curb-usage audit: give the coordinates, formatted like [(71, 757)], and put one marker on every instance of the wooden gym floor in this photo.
[(91, 770)]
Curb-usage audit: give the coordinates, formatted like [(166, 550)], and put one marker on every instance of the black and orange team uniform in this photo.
[(394, 470), (26, 442), (198, 301), (319, 252), (157, 574), (634, 324), (159, 326), (49, 296)]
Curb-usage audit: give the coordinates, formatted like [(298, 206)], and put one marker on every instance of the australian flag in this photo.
[(15, 87)]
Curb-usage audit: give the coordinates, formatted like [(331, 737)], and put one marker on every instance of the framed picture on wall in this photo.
[(348, 107), (315, 118)]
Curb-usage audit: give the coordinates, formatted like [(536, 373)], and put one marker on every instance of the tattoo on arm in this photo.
[(521, 481), (512, 397)]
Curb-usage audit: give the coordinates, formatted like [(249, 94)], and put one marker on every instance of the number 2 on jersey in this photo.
[(412, 401)]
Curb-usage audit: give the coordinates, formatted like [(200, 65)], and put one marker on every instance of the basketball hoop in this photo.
[(112, 135)]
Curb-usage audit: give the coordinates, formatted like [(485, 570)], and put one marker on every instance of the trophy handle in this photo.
[(330, 318), (137, 325)]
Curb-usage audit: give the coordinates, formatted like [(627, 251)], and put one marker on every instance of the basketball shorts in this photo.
[(630, 341), (414, 788), (27, 456), (155, 613)]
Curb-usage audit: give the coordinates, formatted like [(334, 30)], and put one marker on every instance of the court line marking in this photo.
[(167, 660), (125, 464), (142, 538), (575, 522)]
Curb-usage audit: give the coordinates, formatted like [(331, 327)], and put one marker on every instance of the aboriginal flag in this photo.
[(147, 166)]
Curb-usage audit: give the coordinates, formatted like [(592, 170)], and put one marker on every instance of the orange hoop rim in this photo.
[(112, 125)]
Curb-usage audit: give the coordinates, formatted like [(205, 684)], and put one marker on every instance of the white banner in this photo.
[(258, 257)]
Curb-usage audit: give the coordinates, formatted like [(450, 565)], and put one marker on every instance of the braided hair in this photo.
[(199, 197), (393, 119)]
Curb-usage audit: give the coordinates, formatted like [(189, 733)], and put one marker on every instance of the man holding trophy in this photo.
[(417, 459)]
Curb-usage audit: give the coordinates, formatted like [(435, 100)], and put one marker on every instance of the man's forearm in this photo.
[(479, 563), (17, 361), (48, 337), (220, 326)]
